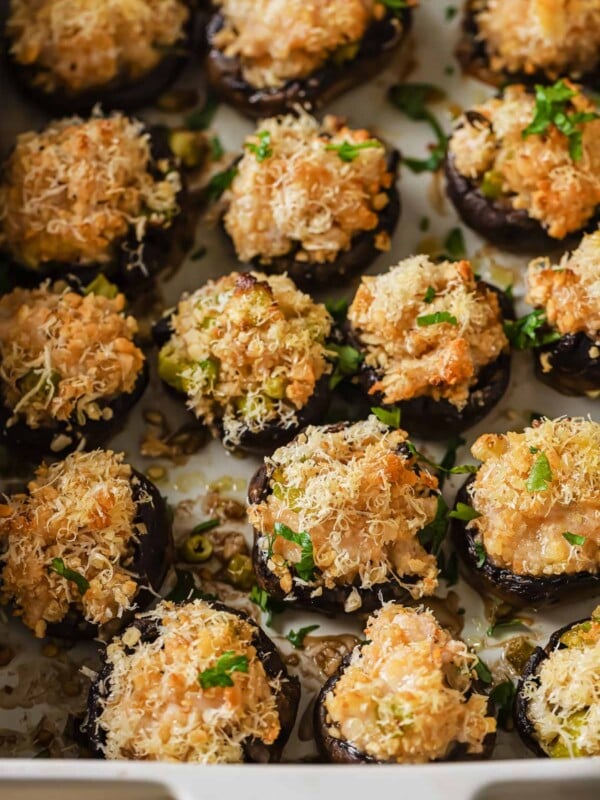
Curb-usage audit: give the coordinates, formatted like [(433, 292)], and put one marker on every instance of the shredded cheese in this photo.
[(247, 350), (404, 696), (156, 709), (80, 45), (559, 37), (440, 360), (536, 173), (303, 199), (281, 40), (569, 291), (564, 695), (521, 529), (63, 356), (71, 193), (80, 510), (361, 501)]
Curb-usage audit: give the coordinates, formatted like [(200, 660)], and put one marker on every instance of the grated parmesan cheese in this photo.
[(522, 530), (82, 511), (537, 172), (71, 193), (569, 291), (564, 695), (360, 499), (63, 356), (559, 37), (248, 350), (440, 360), (404, 696), (156, 708), (303, 199), (282, 40), (80, 45)]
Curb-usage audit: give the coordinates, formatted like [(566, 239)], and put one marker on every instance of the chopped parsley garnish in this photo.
[(433, 534), (574, 539), (503, 696), (449, 459), (429, 295), (337, 308), (389, 416), (454, 245), (451, 12), (436, 318), (424, 224), (216, 148), (448, 569), (201, 118), (483, 671), (412, 99), (540, 475), (464, 512), (305, 568), (185, 588), (349, 151), (504, 625), (348, 361), (297, 637), (395, 6), (58, 566), (533, 450), (263, 149), (551, 108), (219, 675), (220, 182), (529, 331), (480, 553), (268, 605), (462, 469), (207, 525)]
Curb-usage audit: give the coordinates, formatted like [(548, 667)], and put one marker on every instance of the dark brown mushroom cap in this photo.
[(376, 49), (572, 370), (518, 590), (432, 419), (523, 724), (288, 697), (340, 751)]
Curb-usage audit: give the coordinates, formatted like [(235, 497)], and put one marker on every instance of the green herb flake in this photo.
[(436, 318), (424, 224), (449, 69), (450, 13), (429, 295), (389, 416), (268, 605), (337, 308), (464, 512), (207, 525), (449, 458), (220, 182), (185, 589), (454, 245), (198, 254), (263, 149), (395, 6), (200, 119), (348, 361), (296, 638), (530, 331), (449, 569), (551, 108), (503, 695), (504, 625), (483, 671), (411, 99), (349, 151), (574, 539), (216, 148), (58, 566), (305, 568), (219, 675), (540, 475), (480, 553), (433, 535)]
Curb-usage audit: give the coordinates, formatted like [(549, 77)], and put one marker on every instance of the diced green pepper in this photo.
[(275, 388), (210, 368), (491, 185), (170, 369), (102, 287)]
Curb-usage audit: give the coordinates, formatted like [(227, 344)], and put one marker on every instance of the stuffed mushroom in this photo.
[(566, 299), (527, 525), (70, 369), (407, 695), (341, 519), (86, 196), (522, 169), (317, 202), (433, 344), (526, 40), (85, 546), (68, 55), (557, 708), (195, 682), (264, 67), (249, 354)]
